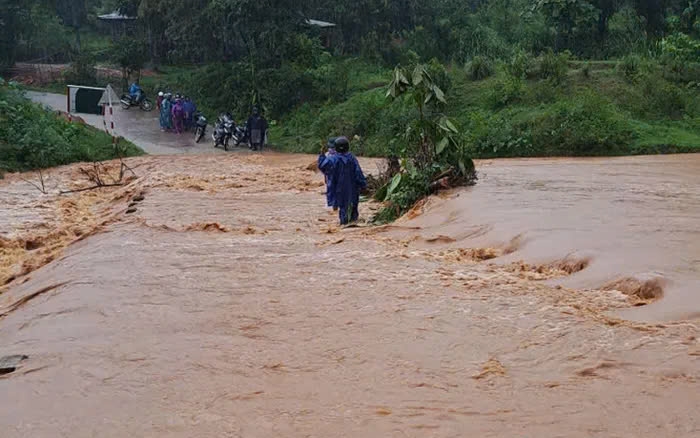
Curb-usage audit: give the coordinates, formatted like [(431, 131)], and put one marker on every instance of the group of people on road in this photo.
[(177, 114), (344, 179)]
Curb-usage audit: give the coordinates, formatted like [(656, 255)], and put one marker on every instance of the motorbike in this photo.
[(144, 103), (200, 126), (240, 135), (223, 131)]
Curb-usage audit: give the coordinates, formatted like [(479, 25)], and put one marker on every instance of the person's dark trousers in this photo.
[(348, 214)]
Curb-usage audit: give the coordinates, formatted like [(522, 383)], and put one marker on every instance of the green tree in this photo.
[(431, 139), (654, 15), (567, 17), (130, 54), (8, 33), (74, 14)]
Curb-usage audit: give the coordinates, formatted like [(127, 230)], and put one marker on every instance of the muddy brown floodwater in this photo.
[(631, 222), (213, 296)]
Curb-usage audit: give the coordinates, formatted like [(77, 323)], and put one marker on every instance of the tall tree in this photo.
[(566, 17), (653, 12), (606, 10), (10, 22), (74, 14)]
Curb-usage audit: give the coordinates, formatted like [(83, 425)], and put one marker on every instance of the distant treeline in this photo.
[(202, 31)]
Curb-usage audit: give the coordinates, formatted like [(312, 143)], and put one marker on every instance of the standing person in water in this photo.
[(178, 115), (257, 129), (330, 196), (345, 173), (165, 108)]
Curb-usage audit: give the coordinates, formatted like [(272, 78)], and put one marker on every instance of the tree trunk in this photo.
[(77, 39), (151, 45)]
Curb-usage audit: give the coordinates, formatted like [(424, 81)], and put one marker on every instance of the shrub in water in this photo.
[(480, 68)]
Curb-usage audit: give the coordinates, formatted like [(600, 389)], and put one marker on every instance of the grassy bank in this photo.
[(33, 137), (579, 110)]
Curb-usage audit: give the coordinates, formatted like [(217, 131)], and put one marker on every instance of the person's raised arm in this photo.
[(325, 164), (360, 179)]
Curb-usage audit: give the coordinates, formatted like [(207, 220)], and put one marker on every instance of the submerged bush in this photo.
[(432, 152), (403, 191)]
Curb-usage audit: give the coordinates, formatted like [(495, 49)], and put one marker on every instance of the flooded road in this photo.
[(632, 218), (214, 296)]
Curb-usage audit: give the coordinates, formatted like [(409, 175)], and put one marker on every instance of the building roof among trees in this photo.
[(115, 16), (319, 23)]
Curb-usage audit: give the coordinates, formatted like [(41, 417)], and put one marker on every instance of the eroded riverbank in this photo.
[(227, 303)]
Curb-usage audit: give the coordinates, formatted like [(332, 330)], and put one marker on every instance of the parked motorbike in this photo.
[(200, 123), (240, 135), (144, 103), (223, 131)]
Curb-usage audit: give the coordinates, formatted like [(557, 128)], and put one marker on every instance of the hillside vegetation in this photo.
[(32, 137), (522, 77)]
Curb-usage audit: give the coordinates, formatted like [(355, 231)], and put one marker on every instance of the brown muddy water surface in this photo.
[(214, 296), (632, 222)]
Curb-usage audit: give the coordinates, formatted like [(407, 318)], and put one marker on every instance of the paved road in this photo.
[(139, 127)]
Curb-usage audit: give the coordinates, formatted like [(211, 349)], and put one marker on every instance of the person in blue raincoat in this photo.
[(165, 117), (345, 173), (135, 92), (190, 108), (330, 196)]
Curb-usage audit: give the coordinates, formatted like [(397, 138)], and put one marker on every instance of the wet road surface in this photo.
[(139, 127), (229, 304)]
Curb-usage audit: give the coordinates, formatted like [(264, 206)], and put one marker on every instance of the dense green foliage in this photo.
[(430, 147), (524, 77), (32, 137), (204, 31), (601, 112)]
